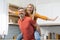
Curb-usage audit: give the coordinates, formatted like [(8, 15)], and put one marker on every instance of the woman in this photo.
[(31, 11)]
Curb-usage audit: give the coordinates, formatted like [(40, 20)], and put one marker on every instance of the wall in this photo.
[(22, 3), (3, 17)]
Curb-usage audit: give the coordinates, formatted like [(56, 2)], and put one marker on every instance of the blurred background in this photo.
[(8, 21)]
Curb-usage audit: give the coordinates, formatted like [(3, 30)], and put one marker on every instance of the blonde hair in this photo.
[(34, 8)]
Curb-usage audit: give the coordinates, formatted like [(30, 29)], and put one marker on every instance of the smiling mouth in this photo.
[(30, 10), (21, 13)]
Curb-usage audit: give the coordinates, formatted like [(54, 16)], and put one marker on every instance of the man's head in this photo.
[(21, 12)]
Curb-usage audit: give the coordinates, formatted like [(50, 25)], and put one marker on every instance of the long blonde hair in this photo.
[(33, 11)]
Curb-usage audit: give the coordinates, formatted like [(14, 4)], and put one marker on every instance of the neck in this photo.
[(21, 18)]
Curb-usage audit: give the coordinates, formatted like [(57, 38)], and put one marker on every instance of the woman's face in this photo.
[(30, 8)]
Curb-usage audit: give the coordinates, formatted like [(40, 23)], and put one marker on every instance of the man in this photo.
[(25, 25)]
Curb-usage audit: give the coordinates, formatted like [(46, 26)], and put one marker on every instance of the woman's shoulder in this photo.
[(37, 14)]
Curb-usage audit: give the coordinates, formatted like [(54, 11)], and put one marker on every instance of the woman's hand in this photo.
[(52, 19)]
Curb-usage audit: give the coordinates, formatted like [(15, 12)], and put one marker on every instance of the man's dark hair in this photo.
[(21, 8)]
